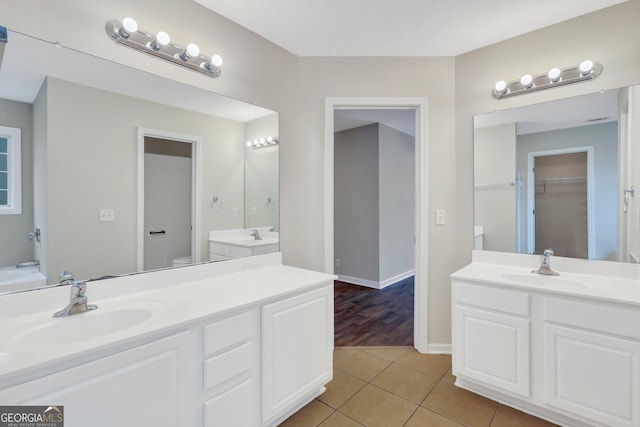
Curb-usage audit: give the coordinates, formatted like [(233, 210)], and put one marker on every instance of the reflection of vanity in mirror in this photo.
[(124, 171), (562, 175)]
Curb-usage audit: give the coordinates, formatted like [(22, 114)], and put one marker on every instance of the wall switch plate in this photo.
[(254, 211), (234, 211), (107, 215), (337, 262), (441, 217)]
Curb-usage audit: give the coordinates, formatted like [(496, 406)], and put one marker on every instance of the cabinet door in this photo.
[(297, 349), (137, 387), (493, 348), (592, 375)]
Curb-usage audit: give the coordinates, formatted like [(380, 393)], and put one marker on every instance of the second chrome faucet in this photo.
[(78, 302)]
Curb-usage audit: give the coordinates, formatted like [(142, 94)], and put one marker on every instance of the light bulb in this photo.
[(269, 139), (256, 142), (554, 74), (130, 25), (216, 60), (249, 144), (527, 80), (162, 38), (501, 86), (193, 49), (586, 67), (263, 140)]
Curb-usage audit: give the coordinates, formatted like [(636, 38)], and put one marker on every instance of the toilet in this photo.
[(182, 261)]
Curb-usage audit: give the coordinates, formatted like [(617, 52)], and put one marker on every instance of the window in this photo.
[(10, 171)]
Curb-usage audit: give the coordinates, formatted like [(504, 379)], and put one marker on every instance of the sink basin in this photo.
[(542, 280), (109, 318)]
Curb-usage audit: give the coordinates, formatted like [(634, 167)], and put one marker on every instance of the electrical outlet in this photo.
[(441, 217), (107, 215), (337, 262)]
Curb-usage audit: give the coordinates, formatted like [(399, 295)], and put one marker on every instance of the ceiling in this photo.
[(396, 28), (21, 79), (401, 119)]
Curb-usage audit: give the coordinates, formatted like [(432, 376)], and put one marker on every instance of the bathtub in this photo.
[(18, 279)]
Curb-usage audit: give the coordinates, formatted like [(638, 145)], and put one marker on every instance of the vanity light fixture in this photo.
[(127, 33), (586, 70), (268, 141)]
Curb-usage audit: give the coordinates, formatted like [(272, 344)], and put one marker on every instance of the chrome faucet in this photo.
[(78, 302), (256, 234), (545, 264)]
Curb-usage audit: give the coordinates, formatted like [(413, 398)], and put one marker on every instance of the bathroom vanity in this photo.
[(565, 348), (246, 342)]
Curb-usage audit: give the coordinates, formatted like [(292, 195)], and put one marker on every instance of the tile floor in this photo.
[(397, 386)]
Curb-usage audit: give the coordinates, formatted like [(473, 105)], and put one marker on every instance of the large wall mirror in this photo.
[(563, 174), (123, 171)]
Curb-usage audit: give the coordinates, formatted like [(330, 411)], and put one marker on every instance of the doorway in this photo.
[(559, 189), (168, 216), (419, 108)]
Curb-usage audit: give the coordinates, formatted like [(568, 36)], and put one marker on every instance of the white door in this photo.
[(167, 202)]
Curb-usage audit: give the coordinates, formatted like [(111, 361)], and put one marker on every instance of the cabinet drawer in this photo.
[(228, 365), (603, 317), (227, 333), (492, 298), (234, 407)]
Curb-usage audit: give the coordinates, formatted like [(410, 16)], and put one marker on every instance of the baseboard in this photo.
[(439, 349), (357, 281), (397, 278), (372, 283)]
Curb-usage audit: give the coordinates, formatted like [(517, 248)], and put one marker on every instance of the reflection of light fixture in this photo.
[(268, 141), (160, 46), (586, 70)]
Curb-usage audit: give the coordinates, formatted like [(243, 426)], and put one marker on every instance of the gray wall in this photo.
[(14, 245), (257, 71), (96, 131), (374, 204), (397, 203), (356, 199), (604, 138)]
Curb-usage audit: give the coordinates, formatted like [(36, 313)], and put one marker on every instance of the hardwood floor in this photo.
[(373, 317)]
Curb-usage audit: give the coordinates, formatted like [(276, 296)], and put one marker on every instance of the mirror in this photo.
[(100, 144), (560, 175)]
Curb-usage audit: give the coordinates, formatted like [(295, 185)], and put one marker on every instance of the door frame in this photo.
[(196, 216), (421, 287), (531, 194)]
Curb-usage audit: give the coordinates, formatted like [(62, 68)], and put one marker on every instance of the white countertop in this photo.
[(180, 296), (603, 282)]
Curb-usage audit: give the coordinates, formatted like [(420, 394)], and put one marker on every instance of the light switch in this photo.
[(441, 217), (234, 211), (254, 211), (107, 215)]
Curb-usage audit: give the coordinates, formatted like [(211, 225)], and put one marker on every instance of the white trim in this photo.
[(376, 285), (531, 197), (440, 348), (421, 286), (196, 177), (14, 167)]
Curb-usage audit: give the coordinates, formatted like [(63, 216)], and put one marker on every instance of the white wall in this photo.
[(604, 139), (495, 200), (93, 134), (259, 72), (40, 173), (262, 178), (14, 244)]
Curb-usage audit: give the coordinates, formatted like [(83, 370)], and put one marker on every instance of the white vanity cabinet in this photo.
[(297, 351), (135, 387), (592, 360), (571, 359), (492, 336)]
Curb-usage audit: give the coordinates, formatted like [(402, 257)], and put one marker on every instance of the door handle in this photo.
[(153, 233)]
